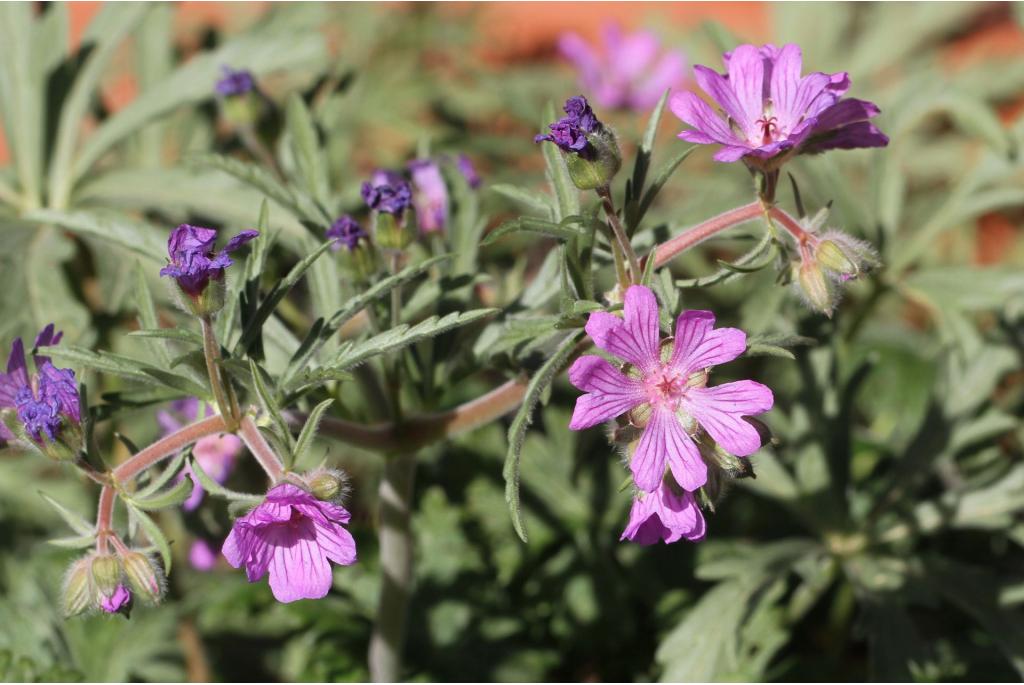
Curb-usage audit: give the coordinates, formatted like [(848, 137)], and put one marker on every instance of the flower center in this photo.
[(665, 388), (769, 127)]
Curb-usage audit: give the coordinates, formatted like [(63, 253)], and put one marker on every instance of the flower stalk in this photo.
[(620, 234), (260, 449), (227, 405)]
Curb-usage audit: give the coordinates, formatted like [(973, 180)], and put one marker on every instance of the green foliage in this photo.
[(882, 537)]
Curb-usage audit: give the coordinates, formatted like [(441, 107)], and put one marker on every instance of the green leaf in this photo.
[(306, 352), (254, 326), (148, 319), (352, 354), (104, 34), (194, 81), (538, 386), (74, 521), (642, 164), (21, 95), (215, 488), (561, 231), (153, 532), (124, 367), (305, 144), (270, 405), (180, 334), (533, 200), (748, 261), (141, 238), (308, 432), (775, 345), (171, 497), (259, 178), (77, 542), (664, 174)]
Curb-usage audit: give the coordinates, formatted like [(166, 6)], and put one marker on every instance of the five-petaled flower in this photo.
[(771, 112), (669, 514), (663, 387), (294, 536), (628, 71), (193, 262)]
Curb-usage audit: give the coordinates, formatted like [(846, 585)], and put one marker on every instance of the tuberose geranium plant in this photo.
[(377, 331), (680, 434)]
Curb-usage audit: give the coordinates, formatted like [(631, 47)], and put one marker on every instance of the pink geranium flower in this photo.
[(664, 515), (294, 536), (626, 71), (663, 387)]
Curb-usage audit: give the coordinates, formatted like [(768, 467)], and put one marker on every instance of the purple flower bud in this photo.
[(431, 195), (39, 417), (346, 231), (235, 82), (387, 192), (44, 404), (193, 262), (468, 171), (118, 602)]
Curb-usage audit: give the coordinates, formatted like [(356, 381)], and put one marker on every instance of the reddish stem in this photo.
[(263, 452), (167, 446), (702, 231)]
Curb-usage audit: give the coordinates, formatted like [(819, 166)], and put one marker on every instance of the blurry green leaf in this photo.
[(76, 522), (308, 432), (306, 149), (533, 200), (214, 488), (171, 497), (134, 235), (565, 230)]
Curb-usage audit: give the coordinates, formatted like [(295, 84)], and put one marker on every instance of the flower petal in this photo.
[(337, 543), (609, 392), (240, 239), (665, 440), (698, 345), (16, 376), (697, 113), (668, 72), (731, 153), (785, 81), (299, 569), (856, 135), (845, 112), (721, 91), (720, 410), (635, 339), (746, 80)]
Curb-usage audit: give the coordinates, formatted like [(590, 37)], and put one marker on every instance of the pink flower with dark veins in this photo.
[(293, 536), (663, 387)]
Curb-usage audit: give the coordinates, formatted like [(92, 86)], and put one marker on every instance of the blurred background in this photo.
[(883, 536)]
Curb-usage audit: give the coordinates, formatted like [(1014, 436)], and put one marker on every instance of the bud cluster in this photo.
[(590, 148), (111, 582)]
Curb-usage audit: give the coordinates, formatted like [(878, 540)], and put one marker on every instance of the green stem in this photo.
[(620, 234), (211, 351)]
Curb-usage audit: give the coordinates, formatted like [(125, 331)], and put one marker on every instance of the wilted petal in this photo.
[(846, 112), (609, 392), (664, 516), (720, 410), (857, 135)]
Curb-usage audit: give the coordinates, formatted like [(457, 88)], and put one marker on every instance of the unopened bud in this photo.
[(79, 591), (392, 233), (144, 576), (596, 166), (106, 573), (327, 484), (830, 256), (240, 111), (814, 287), (361, 261)]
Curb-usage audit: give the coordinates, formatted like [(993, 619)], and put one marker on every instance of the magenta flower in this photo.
[(664, 515), (294, 536), (216, 454), (193, 262), (663, 387), (771, 111), (117, 602), (202, 555), (430, 195), (627, 71)]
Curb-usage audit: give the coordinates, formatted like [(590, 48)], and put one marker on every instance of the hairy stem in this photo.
[(676, 245), (396, 563), (259, 448), (168, 446), (620, 233), (211, 351)]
